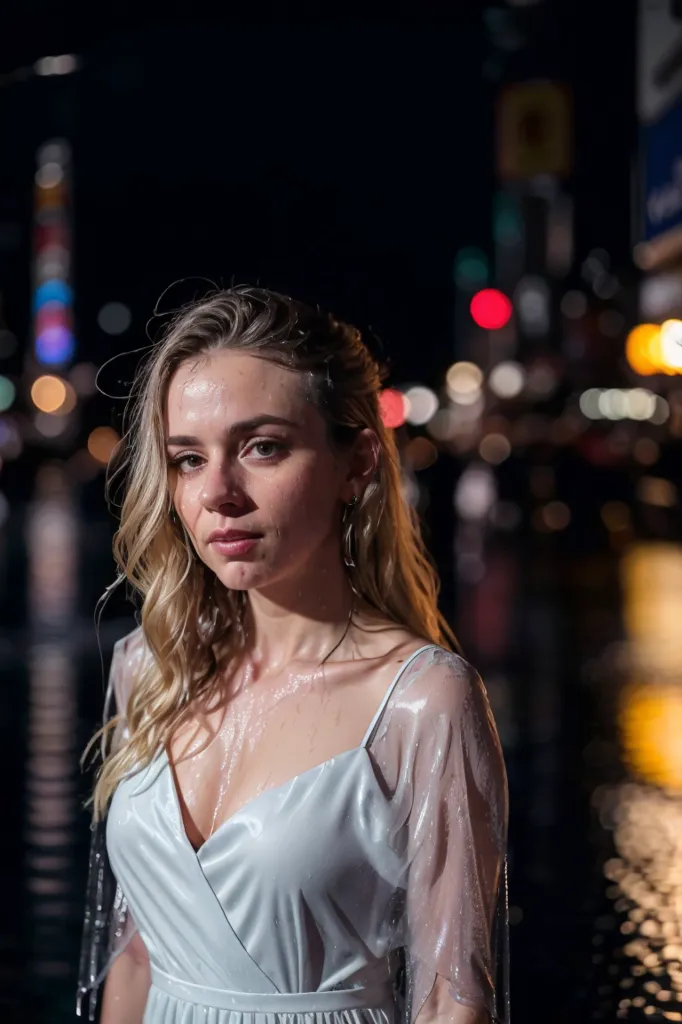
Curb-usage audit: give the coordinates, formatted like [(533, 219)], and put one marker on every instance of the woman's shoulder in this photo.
[(440, 676)]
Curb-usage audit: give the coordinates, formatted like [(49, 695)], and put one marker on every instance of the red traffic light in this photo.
[(490, 309)]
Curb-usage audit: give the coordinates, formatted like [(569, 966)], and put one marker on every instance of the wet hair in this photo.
[(190, 620)]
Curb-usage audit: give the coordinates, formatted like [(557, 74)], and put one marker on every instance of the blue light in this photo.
[(52, 291)]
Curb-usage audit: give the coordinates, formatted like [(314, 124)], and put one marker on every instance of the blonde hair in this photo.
[(190, 621)]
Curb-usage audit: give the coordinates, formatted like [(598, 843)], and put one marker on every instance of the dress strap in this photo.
[(387, 696)]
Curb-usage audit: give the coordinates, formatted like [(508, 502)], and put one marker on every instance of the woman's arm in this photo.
[(127, 985), (440, 1008)]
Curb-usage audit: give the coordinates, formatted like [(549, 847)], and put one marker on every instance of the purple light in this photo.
[(56, 344)]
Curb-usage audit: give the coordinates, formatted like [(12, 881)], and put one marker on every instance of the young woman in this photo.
[(303, 802)]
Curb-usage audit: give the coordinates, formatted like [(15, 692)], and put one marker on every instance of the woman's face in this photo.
[(248, 452)]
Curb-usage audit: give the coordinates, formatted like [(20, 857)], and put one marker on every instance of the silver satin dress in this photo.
[(302, 900)]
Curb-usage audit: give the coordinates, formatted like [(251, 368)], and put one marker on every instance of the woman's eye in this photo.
[(177, 462), (266, 449)]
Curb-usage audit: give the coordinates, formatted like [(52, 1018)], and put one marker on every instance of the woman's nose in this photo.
[(220, 487)]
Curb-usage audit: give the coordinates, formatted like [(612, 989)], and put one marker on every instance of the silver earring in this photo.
[(348, 532)]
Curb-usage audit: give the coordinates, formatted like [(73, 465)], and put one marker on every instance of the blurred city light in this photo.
[(49, 175), (52, 297), (48, 393), (651, 348), (490, 309), (64, 64), (463, 382), (471, 269), (393, 407), (623, 403), (423, 404), (507, 379), (48, 425), (671, 346), (7, 393), (494, 448), (444, 425), (114, 318), (642, 349), (531, 301), (476, 492), (101, 443), (655, 490)]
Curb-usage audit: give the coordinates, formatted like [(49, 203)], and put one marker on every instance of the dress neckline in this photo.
[(360, 748)]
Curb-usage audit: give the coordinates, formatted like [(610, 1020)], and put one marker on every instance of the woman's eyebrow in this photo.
[(242, 427)]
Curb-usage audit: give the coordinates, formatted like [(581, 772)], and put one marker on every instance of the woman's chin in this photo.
[(242, 576)]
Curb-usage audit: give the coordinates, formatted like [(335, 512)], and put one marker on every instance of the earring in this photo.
[(347, 523)]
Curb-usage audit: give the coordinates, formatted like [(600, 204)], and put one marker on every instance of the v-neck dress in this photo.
[(299, 903)]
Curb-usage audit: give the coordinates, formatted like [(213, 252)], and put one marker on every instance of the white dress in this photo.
[(309, 898)]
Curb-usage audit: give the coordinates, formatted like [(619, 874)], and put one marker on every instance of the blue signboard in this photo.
[(662, 166)]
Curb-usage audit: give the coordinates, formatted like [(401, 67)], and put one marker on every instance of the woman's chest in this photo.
[(222, 763)]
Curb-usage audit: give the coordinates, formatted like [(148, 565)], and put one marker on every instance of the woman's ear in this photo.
[(363, 463)]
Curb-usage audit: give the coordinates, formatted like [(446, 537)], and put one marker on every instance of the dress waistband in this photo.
[(373, 995)]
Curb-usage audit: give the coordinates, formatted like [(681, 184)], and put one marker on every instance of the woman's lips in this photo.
[(237, 546)]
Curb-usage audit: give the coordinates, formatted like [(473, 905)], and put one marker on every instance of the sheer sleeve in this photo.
[(108, 925), (441, 745)]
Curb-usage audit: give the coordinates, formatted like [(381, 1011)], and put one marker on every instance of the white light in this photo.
[(507, 379), (463, 382), (49, 175), (662, 411), (476, 492), (114, 318), (589, 403), (612, 404), (640, 404), (423, 405), (671, 343), (62, 65), (58, 151), (658, 295)]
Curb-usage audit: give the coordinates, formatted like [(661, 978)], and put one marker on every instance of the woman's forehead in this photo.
[(234, 386)]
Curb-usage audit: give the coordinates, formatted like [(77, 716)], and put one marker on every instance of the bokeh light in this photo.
[(393, 407), (490, 309), (7, 393), (114, 318), (101, 443), (423, 404), (463, 382), (507, 379), (48, 393)]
